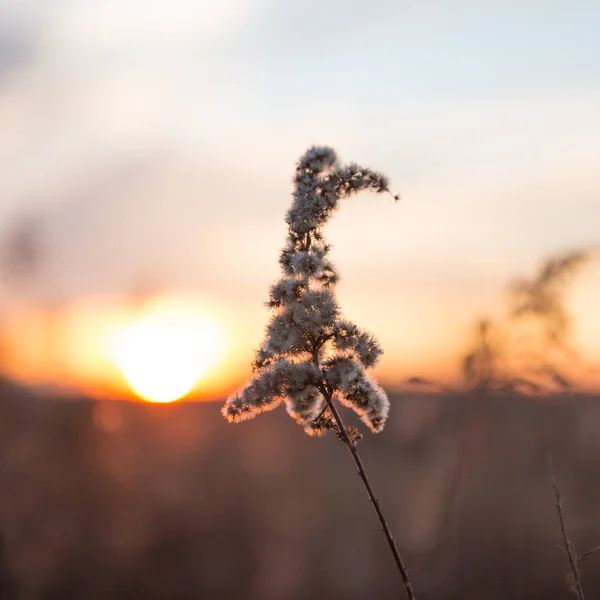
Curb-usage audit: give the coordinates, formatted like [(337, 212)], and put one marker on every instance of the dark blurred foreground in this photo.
[(123, 500)]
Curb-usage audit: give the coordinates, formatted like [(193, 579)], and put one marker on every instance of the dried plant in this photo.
[(543, 296), (573, 578), (502, 358), (480, 364), (312, 357)]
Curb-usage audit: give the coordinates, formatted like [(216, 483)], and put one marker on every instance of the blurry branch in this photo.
[(574, 577), (479, 365), (502, 357), (543, 296), (502, 360)]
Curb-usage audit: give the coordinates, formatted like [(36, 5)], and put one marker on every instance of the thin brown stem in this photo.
[(374, 501), (569, 549), (588, 553)]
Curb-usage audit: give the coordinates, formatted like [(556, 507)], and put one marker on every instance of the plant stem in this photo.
[(571, 553), (363, 475), (588, 553)]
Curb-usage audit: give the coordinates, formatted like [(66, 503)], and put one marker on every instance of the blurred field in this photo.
[(130, 500)]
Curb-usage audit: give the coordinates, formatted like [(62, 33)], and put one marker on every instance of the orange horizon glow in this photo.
[(177, 346), (162, 349)]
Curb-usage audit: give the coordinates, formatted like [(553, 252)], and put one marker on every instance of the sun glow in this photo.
[(166, 350)]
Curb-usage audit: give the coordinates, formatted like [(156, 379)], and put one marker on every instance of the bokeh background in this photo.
[(147, 156)]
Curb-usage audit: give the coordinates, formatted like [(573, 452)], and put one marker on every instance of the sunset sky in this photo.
[(148, 149)]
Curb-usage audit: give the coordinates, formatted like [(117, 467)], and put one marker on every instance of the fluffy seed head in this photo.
[(311, 353)]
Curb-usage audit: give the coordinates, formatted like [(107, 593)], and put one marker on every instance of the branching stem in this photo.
[(588, 553), (569, 549)]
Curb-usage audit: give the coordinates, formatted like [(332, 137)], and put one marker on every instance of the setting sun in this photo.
[(165, 351)]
